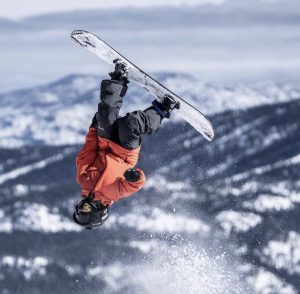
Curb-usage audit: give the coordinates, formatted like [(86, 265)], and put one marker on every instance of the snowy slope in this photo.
[(222, 216), (60, 113), (247, 180)]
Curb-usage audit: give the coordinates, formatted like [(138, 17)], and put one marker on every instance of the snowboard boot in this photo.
[(89, 213), (165, 106), (121, 72)]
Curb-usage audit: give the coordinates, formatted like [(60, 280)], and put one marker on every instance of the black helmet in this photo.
[(89, 213)]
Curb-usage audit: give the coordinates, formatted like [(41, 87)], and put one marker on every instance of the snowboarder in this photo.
[(106, 163)]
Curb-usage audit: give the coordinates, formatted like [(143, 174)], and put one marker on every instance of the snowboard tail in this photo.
[(104, 51)]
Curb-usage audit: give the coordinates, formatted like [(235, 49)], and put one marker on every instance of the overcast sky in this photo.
[(33, 7), (213, 44)]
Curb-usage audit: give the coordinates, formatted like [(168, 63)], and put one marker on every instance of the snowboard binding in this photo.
[(166, 105), (121, 72)]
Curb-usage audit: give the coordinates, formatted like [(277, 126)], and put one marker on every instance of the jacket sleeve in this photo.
[(128, 188), (88, 152)]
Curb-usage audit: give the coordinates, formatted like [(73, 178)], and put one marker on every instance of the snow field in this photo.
[(267, 283), (184, 268), (35, 217), (158, 221), (237, 221), (284, 254), (28, 267)]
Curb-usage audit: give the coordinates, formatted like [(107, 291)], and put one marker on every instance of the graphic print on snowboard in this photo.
[(188, 112)]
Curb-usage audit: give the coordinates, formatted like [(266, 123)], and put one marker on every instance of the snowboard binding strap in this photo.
[(166, 106)]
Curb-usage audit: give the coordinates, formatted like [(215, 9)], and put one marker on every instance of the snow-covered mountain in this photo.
[(214, 218), (59, 113)]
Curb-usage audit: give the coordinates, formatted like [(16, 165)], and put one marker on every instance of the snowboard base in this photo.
[(188, 112)]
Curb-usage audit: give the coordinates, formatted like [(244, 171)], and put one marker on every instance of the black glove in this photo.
[(132, 175)]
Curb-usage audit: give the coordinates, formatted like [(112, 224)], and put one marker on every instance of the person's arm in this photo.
[(88, 152), (133, 182)]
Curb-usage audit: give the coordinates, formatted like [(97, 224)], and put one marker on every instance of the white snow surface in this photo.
[(175, 189), (20, 190), (267, 283), (284, 254), (237, 221), (144, 246), (175, 269), (187, 269), (35, 217), (6, 222), (29, 267), (156, 220), (269, 203)]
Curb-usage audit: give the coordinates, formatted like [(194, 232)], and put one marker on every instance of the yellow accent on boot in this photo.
[(86, 208)]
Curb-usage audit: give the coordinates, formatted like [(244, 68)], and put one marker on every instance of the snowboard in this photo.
[(188, 112)]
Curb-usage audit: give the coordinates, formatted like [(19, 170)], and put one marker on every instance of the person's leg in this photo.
[(111, 96), (134, 124)]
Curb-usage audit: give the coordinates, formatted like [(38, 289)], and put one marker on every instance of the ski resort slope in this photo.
[(216, 218)]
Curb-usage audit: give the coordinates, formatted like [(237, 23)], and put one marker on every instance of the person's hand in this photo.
[(132, 175)]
